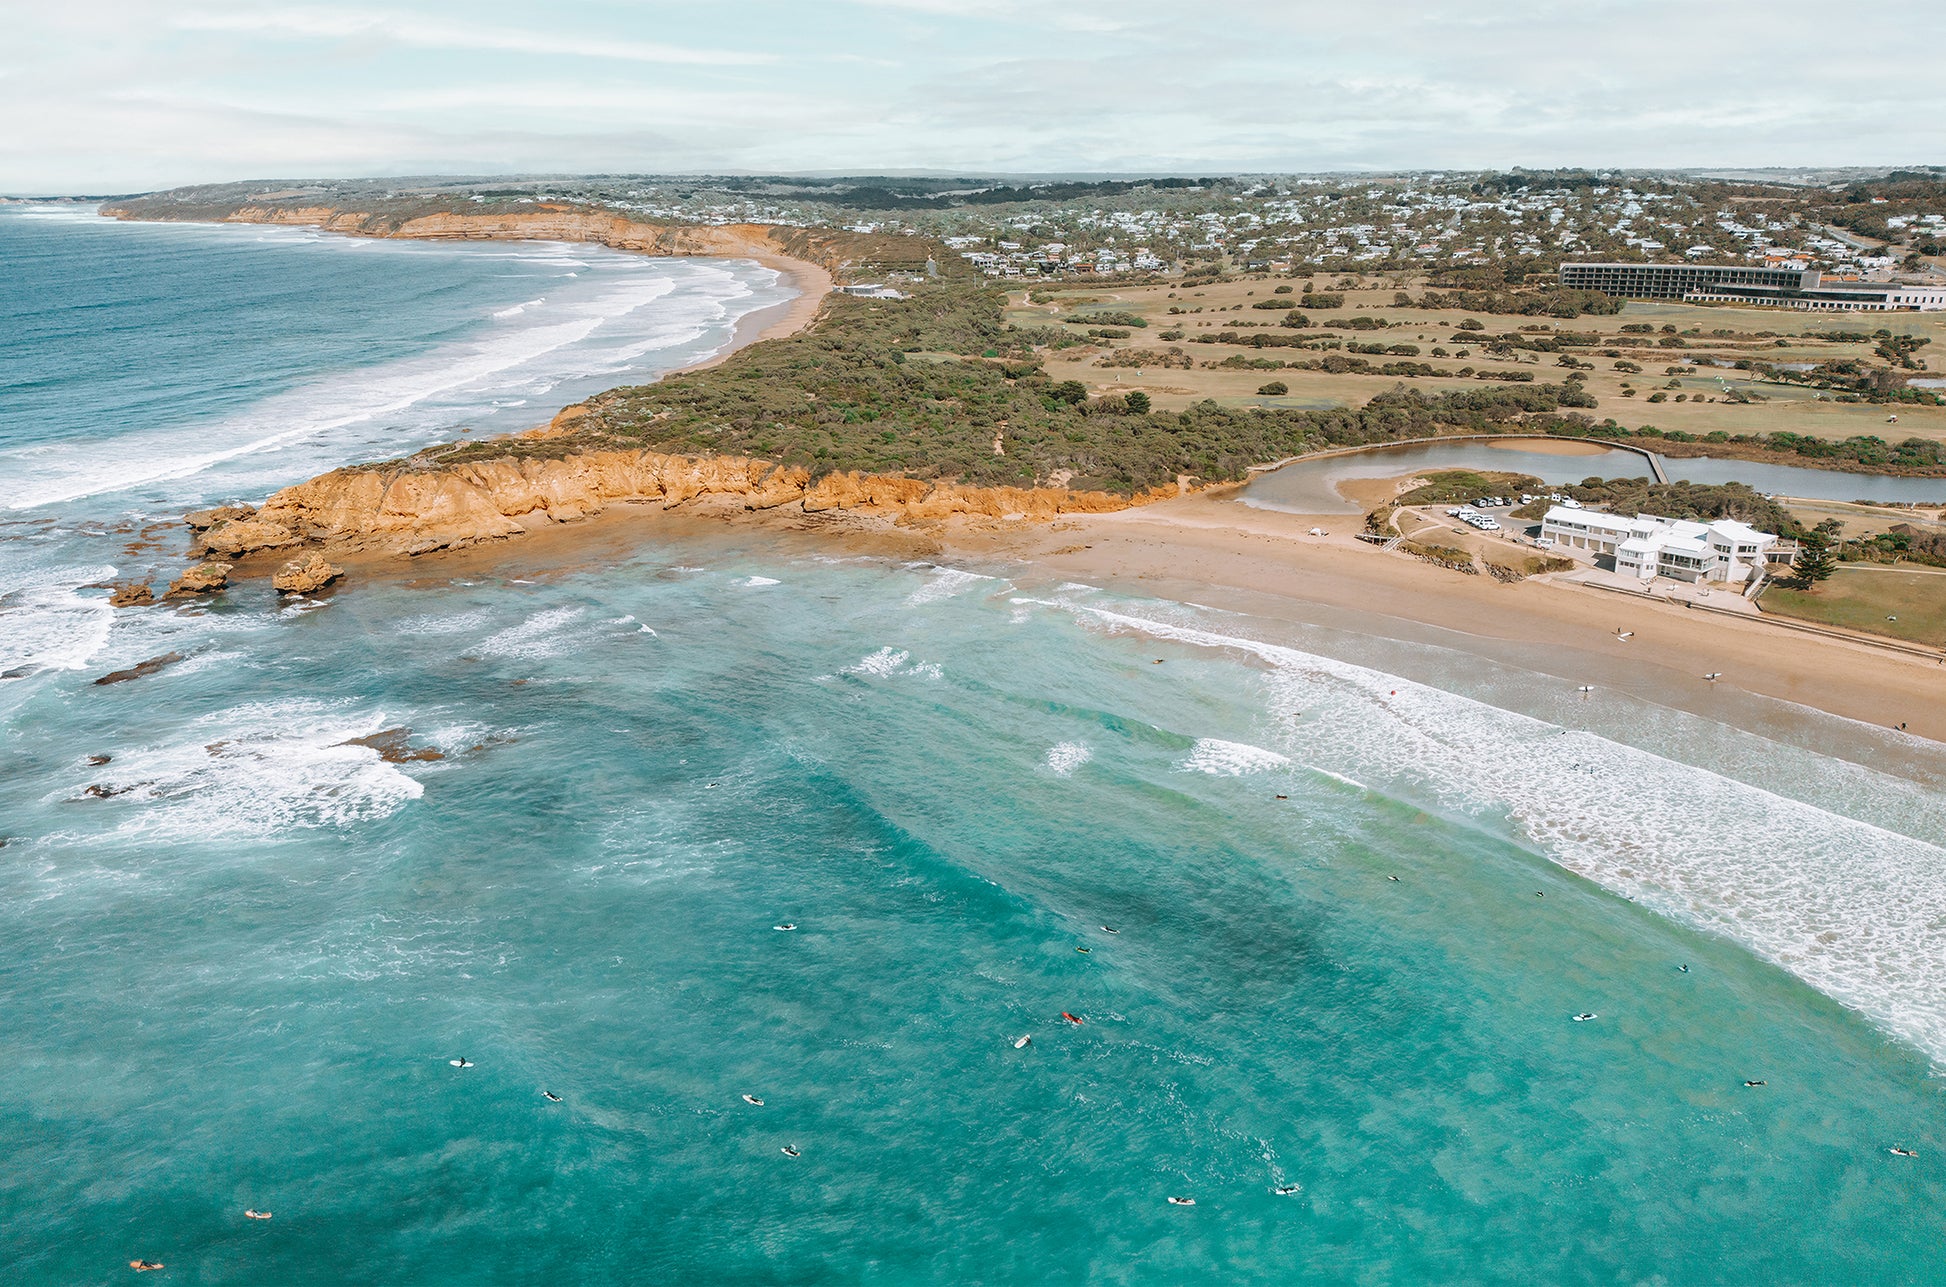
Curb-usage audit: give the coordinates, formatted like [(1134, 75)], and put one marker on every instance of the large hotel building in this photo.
[(1743, 284)]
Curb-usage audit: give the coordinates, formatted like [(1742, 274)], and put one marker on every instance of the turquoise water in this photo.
[(236, 974)]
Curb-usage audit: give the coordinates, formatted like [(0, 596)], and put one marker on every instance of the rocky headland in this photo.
[(410, 509), (428, 503)]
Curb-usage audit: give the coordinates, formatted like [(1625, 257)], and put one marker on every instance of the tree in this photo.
[(1275, 389), (1814, 563), (1138, 402)]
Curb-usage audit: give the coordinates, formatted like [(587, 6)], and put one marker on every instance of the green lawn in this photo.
[(1862, 599)]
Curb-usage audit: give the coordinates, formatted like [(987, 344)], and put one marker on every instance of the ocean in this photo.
[(707, 813)]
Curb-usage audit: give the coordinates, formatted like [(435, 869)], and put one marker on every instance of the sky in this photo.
[(115, 96)]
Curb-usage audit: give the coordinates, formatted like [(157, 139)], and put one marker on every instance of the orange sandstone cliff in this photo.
[(832, 250), (410, 510)]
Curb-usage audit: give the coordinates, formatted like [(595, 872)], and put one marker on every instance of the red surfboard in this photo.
[(1070, 1018)]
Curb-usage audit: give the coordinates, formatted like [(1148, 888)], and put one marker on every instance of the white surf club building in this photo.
[(1648, 546)]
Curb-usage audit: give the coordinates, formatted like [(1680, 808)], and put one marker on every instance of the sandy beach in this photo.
[(1207, 549), (811, 283)]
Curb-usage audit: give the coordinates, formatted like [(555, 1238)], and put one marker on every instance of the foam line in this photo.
[(1855, 910)]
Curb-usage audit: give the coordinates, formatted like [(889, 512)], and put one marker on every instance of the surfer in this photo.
[(1285, 1190), (791, 1151), (1071, 1019), (1901, 1152), (1391, 878), (787, 925), (1182, 1202), (1084, 950), (250, 1214), (1023, 1043), (1584, 1017), (1682, 969), (1109, 929), (753, 1101), (552, 1098), (143, 1266), (1756, 1083), (461, 1062)]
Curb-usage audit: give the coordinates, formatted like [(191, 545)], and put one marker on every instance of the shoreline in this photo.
[(1263, 565), (773, 321), (812, 282), (1206, 548)]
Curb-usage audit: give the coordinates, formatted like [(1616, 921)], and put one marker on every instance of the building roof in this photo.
[(1587, 518), (1738, 530), (1647, 531)]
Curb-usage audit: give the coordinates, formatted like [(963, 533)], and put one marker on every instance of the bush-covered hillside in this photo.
[(924, 386)]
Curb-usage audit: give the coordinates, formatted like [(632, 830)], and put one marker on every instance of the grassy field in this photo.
[(1209, 309), (1863, 598)]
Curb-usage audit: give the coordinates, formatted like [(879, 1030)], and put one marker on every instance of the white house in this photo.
[(1650, 546)]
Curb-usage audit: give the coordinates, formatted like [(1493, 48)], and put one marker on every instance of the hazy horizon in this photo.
[(124, 97)]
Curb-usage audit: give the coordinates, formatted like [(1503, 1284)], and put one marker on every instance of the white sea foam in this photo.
[(542, 635), (754, 581), (518, 309), (1064, 758), (255, 770), (945, 584), (46, 623), (888, 662), (437, 624), (1229, 759), (1855, 910)]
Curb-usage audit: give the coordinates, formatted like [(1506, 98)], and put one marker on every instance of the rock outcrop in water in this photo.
[(204, 578), (303, 576), (407, 510), (140, 670)]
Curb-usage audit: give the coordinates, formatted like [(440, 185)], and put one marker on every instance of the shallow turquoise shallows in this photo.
[(1325, 896)]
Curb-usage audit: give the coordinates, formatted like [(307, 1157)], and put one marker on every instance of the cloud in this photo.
[(346, 24), (112, 95)]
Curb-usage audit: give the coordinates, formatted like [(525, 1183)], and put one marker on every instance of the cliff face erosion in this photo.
[(830, 249), (399, 510)]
